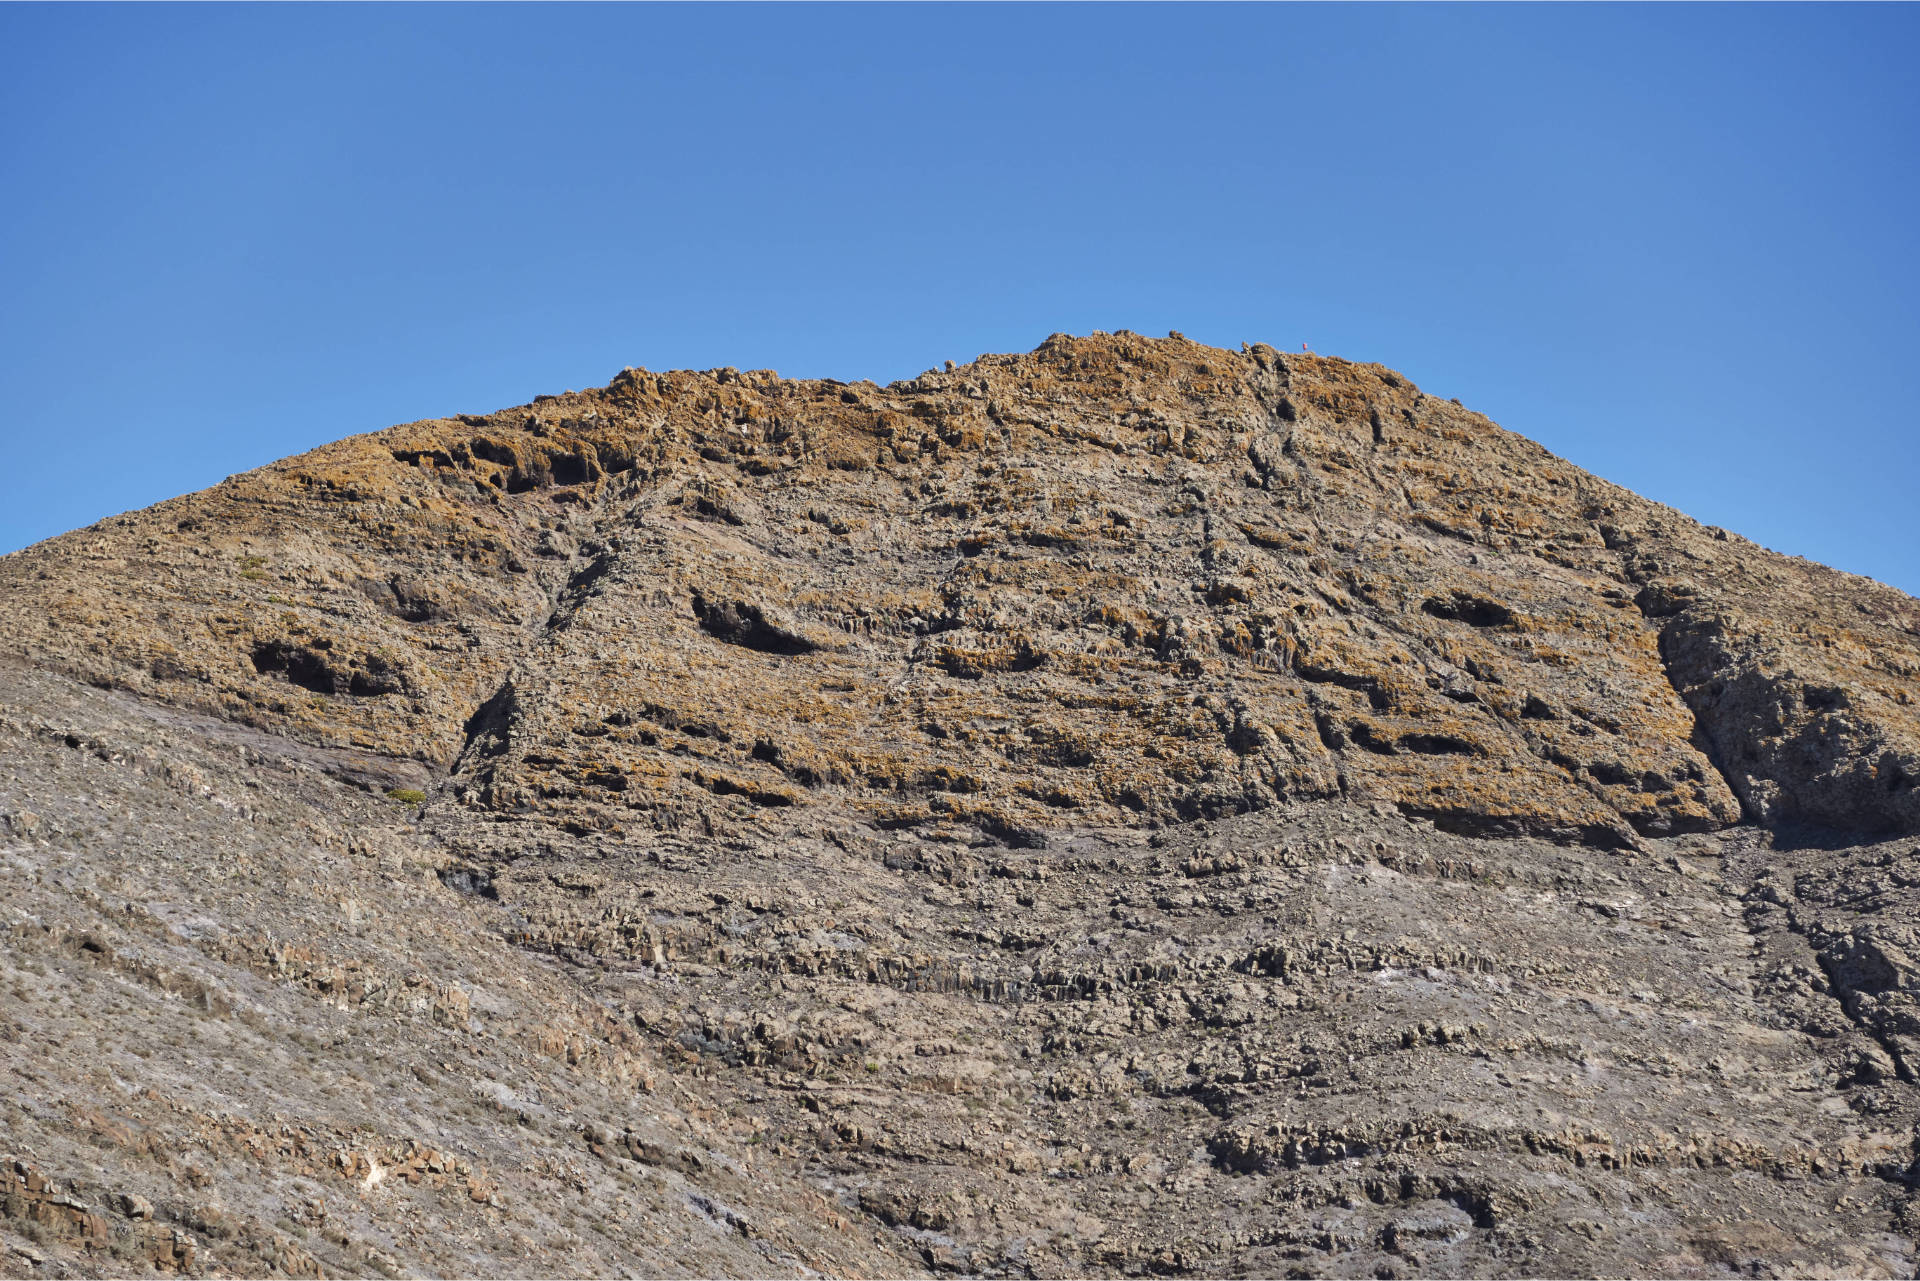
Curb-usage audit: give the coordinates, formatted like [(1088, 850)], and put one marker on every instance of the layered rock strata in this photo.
[(1126, 808)]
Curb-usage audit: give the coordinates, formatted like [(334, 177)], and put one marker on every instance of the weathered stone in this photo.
[(1126, 807)]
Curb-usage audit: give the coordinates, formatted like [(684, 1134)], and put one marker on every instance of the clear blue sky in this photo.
[(1674, 244)]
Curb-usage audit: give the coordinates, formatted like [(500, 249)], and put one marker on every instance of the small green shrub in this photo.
[(407, 795)]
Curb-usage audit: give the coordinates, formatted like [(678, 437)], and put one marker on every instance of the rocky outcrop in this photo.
[(1116, 580), (1130, 807)]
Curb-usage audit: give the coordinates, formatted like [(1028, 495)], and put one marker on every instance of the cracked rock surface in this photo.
[(1127, 808)]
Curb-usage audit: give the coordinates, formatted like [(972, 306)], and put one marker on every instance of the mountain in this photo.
[(1126, 808)]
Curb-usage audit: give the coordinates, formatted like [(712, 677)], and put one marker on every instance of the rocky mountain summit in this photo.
[(1128, 808)]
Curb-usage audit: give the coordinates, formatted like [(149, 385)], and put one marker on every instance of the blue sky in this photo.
[(1673, 244)]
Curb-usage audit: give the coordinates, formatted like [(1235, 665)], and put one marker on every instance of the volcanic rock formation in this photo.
[(1126, 808)]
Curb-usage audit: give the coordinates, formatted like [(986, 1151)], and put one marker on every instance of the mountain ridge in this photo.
[(591, 449), (1128, 808)]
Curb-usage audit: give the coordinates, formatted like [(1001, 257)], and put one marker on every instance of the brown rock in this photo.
[(1125, 807), (1114, 581)]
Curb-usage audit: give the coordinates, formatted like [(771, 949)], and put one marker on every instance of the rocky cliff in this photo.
[(1128, 807)]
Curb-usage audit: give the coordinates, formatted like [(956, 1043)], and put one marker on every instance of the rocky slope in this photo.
[(1126, 808)]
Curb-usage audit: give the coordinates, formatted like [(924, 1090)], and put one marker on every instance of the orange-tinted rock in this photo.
[(1113, 581)]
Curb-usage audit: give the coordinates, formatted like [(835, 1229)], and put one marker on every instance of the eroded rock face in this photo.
[(1113, 581), (1126, 808)]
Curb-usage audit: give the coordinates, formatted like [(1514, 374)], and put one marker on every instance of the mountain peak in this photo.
[(1115, 580), (1129, 807)]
